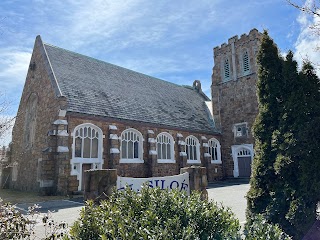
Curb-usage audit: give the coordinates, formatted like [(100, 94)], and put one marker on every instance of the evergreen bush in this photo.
[(285, 182), (261, 229)]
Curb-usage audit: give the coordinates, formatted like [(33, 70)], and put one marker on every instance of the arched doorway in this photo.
[(242, 159)]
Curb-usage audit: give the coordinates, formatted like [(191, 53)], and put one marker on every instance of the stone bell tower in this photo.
[(234, 100)]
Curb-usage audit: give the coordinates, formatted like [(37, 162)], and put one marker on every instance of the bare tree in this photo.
[(6, 121), (312, 9)]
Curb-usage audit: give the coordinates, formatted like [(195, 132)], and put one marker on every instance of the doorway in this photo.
[(244, 164), (85, 167), (242, 159)]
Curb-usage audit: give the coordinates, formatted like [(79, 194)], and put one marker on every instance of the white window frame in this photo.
[(77, 162), (214, 143), (245, 53), (244, 130), (89, 159), (170, 142), (190, 142), (140, 146)]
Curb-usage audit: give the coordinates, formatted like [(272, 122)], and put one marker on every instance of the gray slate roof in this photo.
[(98, 88)]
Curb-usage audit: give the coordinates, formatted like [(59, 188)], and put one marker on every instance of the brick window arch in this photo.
[(214, 150), (165, 148), (193, 149), (131, 150)]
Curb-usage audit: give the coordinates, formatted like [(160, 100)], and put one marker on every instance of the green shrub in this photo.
[(155, 214), (259, 228)]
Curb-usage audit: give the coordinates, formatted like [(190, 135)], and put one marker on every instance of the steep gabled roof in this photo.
[(98, 88)]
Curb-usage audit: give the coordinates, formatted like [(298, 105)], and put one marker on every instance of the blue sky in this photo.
[(171, 40)]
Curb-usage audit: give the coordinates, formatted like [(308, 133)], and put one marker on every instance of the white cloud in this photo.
[(157, 65), (307, 44), (120, 24), (13, 68)]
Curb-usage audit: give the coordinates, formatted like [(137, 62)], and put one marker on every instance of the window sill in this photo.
[(216, 161), (193, 161), (131, 161), (86, 160), (166, 161)]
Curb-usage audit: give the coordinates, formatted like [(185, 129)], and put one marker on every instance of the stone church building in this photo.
[(78, 113)]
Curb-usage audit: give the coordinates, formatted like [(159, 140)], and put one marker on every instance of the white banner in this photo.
[(180, 182)]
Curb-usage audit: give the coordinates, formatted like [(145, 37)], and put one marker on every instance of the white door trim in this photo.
[(235, 150)]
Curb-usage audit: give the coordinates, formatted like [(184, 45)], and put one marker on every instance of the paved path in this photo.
[(231, 193), (60, 211)]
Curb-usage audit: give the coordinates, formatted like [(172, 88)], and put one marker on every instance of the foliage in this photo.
[(15, 225), (261, 229), (287, 144), (269, 89), (151, 214), (155, 214)]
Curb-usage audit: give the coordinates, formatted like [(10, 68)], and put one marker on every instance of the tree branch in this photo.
[(313, 10)]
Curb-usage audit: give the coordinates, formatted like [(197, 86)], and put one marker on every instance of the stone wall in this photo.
[(198, 179), (28, 155), (99, 184), (234, 100)]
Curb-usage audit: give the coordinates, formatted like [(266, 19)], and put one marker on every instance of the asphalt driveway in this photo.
[(59, 211), (231, 193)]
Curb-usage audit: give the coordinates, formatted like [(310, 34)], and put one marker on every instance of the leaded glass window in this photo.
[(131, 144), (86, 139), (192, 148), (214, 150), (165, 147)]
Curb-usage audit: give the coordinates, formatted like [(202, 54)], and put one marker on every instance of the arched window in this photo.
[(244, 152), (226, 69), (30, 121), (193, 150), (246, 65), (131, 146), (86, 141), (86, 150), (214, 150), (165, 145)]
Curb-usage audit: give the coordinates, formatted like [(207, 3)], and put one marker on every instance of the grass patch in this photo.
[(15, 196)]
